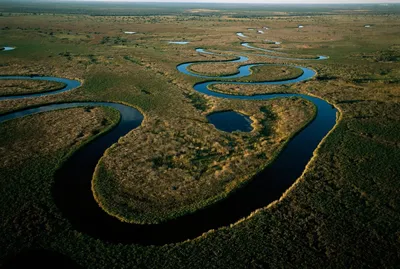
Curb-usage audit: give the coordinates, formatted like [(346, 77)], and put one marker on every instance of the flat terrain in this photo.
[(18, 87), (174, 173), (342, 213), (259, 73)]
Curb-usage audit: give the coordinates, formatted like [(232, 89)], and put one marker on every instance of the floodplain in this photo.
[(342, 211)]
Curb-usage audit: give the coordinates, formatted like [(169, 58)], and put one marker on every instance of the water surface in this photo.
[(7, 48), (179, 42), (230, 121)]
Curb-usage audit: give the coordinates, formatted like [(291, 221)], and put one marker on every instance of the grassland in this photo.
[(273, 73), (23, 133), (342, 213), (16, 87), (258, 73), (249, 89), (175, 173), (214, 69)]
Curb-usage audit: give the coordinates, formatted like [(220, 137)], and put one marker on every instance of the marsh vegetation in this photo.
[(343, 211), (177, 172), (17, 87)]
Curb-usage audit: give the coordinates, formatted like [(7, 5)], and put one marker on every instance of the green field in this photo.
[(343, 212)]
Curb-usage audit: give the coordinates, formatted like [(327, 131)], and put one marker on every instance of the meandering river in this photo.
[(72, 188)]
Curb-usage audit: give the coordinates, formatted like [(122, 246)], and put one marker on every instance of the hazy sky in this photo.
[(262, 1)]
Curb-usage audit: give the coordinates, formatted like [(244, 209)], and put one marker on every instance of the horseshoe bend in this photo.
[(132, 151)]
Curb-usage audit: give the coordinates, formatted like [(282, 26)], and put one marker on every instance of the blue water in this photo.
[(244, 70), (179, 42), (128, 114), (184, 67), (230, 121), (7, 48)]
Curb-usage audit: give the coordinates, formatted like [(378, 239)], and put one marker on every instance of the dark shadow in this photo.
[(40, 258)]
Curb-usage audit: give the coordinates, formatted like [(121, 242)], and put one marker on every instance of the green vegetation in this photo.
[(342, 213), (198, 101), (16, 87), (132, 60), (278, 53), (184, 165), (215, 69), (236, 11), (258, 73), (273, 73), (236, 89)]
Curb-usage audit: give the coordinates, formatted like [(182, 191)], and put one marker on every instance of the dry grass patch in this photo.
[(16, 87), (47, 133), (171, 167), (215, 69), (258, 73), (236, 89), (273, 73)]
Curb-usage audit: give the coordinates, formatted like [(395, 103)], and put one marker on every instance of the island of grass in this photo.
[(60, 127), (272, 73), (198, 166), (258, 73), (250, 89), (215, 69), (10, 87)]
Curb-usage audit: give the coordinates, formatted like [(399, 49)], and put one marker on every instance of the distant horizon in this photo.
[(265, 2)]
